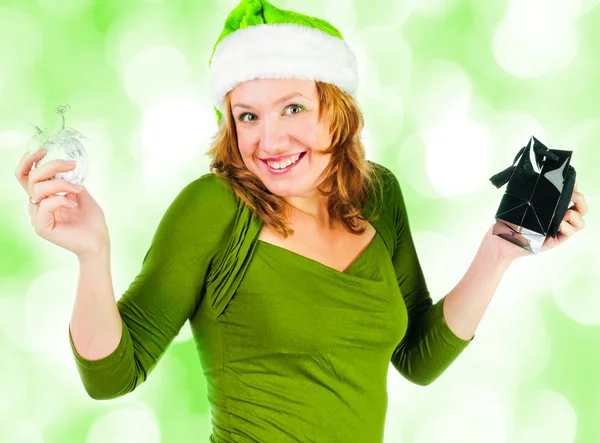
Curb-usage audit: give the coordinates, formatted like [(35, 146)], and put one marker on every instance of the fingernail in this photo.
[(72, 162)]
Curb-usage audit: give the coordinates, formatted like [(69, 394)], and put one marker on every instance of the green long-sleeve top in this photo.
[(292, 350)]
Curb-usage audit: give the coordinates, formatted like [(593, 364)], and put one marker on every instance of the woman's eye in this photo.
[(299, 107), (241, 117)]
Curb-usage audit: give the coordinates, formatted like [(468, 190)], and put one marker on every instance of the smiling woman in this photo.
[(331, 170), (270, 61), (292, 260)]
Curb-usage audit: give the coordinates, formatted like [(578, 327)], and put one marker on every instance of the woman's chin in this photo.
[(282, 190)]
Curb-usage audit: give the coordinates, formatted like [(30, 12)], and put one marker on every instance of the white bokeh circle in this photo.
[(458, 156), (531, 47), (135, 423), (545, 416)]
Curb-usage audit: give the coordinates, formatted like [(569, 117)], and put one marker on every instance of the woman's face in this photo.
[(277, 119)]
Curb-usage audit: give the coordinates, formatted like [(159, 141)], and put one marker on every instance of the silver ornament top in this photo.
[(64, 143)]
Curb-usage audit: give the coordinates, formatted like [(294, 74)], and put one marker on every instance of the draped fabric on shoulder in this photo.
[(227, 274), (189, 241)]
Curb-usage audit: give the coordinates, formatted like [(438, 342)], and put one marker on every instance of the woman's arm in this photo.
[(162, 297), (465, 305), (95, 325), (429, 345)]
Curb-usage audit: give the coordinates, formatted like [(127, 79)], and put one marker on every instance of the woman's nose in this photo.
[(273, 136)]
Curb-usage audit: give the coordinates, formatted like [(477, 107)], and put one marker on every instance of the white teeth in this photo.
[(284, 164)]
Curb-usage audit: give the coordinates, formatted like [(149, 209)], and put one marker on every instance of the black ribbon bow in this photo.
[(502, 177)]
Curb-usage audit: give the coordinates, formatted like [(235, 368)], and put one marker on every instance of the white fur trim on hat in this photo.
[(281, 51)]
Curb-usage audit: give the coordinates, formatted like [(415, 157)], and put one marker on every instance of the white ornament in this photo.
[(65, 144)]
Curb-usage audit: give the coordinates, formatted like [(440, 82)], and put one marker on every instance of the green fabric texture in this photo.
[(257, 12), (291, 349)]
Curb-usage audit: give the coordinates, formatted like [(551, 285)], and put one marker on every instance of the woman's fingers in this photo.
[(47, 172), (579, 203), (49, 187), (566, 229), (43, 220), (25, 165), (574, 218)]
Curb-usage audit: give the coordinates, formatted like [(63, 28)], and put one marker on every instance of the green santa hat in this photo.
[(262, 41)]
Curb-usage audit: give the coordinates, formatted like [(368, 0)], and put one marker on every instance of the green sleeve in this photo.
[(167, 290), (429, 346)]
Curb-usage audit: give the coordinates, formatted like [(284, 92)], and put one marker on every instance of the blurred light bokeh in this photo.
[(450, 89)]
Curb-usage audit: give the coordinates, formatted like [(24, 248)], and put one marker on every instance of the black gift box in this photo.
[(539, 190)]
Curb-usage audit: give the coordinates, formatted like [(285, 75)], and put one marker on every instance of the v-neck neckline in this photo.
[(318, 263)]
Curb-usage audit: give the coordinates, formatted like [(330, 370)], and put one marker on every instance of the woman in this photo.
[(293, 259)]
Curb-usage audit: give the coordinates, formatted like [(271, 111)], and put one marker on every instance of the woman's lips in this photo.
[(286, 169), (281, 157)]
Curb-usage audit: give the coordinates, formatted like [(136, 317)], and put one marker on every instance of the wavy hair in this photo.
[(348, 181)]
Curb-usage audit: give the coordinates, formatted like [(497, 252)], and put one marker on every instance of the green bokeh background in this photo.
[(450, 90)]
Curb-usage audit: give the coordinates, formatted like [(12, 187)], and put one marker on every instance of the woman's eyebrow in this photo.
[(276, 102)]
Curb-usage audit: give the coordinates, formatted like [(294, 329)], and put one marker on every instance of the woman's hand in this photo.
[(572, 222), (74, 221)]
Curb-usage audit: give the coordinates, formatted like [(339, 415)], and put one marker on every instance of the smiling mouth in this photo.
[(283, 165), (281, 158)]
